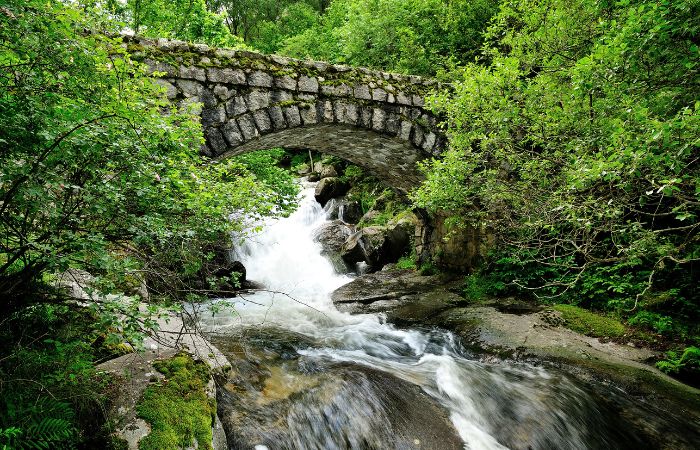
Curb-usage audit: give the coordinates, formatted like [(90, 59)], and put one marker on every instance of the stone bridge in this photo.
[(252, 101)]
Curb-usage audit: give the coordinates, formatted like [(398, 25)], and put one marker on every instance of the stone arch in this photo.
[(251, 101)]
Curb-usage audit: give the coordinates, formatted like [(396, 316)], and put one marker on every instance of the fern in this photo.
[(44, 425)]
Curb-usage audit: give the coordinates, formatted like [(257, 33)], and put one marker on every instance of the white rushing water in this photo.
[(288, 262)]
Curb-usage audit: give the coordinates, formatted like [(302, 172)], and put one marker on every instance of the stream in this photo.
[(307, 376)]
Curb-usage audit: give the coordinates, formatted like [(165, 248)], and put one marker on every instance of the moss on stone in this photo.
[(178, 408), (589, 323)]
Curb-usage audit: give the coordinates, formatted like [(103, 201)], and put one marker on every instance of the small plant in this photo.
[(428, 268), (406, 262), (658, 322), (686, 364), (475, 288)]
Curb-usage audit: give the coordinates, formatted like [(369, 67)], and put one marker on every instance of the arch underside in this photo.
[(390, 159)]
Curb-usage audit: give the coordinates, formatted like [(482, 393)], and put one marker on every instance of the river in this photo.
[(307, 376)]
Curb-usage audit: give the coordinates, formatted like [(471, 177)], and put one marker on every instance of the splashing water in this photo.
[(491, 406)]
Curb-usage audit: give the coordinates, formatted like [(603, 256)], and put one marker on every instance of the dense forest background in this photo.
[(573, 137)]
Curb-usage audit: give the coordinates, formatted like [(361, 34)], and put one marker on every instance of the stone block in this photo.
[(247, 126), (405, 130), (277, 117), (262, 121), (291, 114), (307, 84), (222, 92), (193, 73), (258, 99), (215, 140), (232, 133), (286, 82), (379, 95), (362, 92), (417, 135), (340, 90), (157, 66), (260, 79), (236, 106), (308, 114), (213, 116), (170, 89), (227, 75), (378, 119), (393, 123), (418, 100), (366, 117), (403, 99), (429, 141), (190, 88)]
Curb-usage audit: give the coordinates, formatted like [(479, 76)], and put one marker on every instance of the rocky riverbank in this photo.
[(664, 410)]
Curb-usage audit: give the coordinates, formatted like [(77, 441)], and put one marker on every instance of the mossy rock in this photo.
[(178, 408), (589, 323)]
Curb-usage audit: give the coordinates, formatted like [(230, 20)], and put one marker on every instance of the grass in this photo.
[(178, 408), (590, 323)]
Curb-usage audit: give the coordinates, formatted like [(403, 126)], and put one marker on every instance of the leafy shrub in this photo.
[(658, 322), (406, 262), (686, 364)]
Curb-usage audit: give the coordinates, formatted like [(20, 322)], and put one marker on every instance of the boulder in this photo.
[(352, 251), (332, 235), (349, 211), (328, 171), (328, 188), (313, 176), (377, 245)]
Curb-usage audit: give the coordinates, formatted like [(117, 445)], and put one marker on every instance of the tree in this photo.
[(578, 144), (416, 36), (97, 170)]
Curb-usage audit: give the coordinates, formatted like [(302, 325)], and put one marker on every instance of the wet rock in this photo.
[(377, 245), (342, 406), (328, 171), (352, 251), (328, 188), (348, 211), (332, 235)]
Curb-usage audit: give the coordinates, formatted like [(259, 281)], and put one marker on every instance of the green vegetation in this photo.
[(575, 138), (589, 323), (178, 408), (685, 364), (49, 387)]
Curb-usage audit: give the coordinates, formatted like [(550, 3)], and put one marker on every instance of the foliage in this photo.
[(475, 288), (416, 36), (577, 146), (51, 393), (281, 185), (264, 21), (688, 363), (590, 323), (178, 408), (93, 174), (407, 262), (188, 20)]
